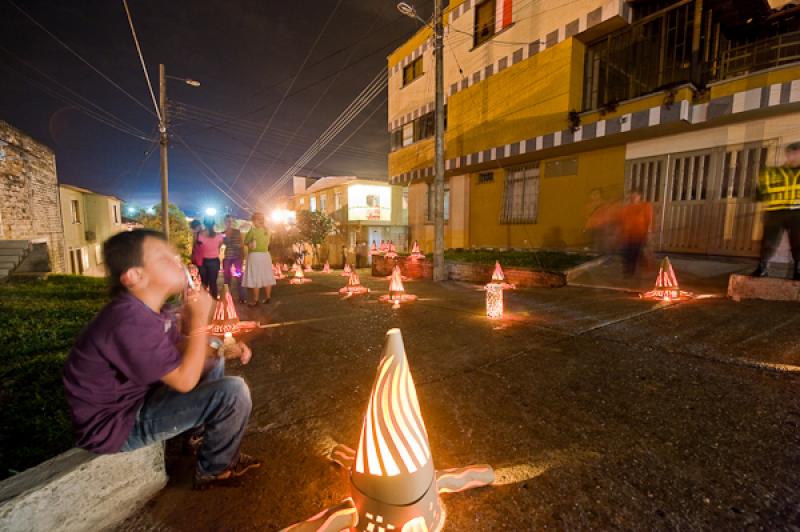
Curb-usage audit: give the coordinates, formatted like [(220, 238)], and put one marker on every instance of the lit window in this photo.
[(313, 203), (337, 201), (75, 208), (323, 202), (412, 71), (408, 134)]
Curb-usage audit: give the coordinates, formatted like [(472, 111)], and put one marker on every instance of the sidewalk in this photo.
[(600, 410)]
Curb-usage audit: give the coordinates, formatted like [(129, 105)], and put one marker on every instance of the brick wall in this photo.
[(465, 271), (29, 201)]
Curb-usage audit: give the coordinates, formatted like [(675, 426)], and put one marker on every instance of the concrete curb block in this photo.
[(771, 289), (78, 490)]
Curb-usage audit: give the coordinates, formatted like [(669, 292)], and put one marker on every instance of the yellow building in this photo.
[(550, 104), (89, 219), (364, 211)]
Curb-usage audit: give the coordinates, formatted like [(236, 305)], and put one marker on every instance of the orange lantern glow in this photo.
[(226, 320), (416, 254), (374, 249), (276, 271), (346, 271), (498, 277), (494, 301), (667, 287), (391, 251), (354, 285), (326, 268), (284, 267), (299, 278), (393, 483), (307, 268), (397, 293)]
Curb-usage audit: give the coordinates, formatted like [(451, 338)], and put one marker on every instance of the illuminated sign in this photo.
[(369, 202)]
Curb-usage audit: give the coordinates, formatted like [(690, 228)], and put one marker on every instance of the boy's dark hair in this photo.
[(122, 252), (794, 146)]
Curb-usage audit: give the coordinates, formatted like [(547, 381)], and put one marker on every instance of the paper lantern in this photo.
[(499, 277), (391, 251), (299, 278), (226, 320), (397, 293), (494, 300), (667, 287), (374, 249), (276, 271), (346, 271), (326, 268), (354, 285), (416, 254), (307, 268), (393, 483)]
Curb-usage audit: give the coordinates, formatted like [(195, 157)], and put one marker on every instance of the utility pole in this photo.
[(162, 128), (439, 273)]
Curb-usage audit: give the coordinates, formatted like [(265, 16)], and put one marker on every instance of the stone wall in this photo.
[(466, 271), (29, 201)]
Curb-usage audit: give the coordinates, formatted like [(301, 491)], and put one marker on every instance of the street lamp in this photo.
[(439, 273), (162, 128), (211, 211)]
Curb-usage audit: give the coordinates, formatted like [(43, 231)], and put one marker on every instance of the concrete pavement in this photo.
[(599, 410)]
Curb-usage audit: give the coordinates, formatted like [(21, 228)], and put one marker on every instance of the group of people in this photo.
[(246, 261)]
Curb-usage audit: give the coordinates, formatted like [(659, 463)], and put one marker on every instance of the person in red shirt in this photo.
[(635, 219)]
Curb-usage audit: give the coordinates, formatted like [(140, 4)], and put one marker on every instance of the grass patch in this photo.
[(555, 261), (39, 320)]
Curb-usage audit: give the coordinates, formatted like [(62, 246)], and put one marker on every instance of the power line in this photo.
[(144, 67), (294, 80), (76, 54)]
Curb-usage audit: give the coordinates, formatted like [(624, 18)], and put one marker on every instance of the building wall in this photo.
[(29, 201)]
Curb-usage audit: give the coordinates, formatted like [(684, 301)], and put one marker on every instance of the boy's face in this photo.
[(793, 158), (161, 267)]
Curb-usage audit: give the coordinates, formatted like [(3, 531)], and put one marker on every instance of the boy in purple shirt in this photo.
[(132, 379)]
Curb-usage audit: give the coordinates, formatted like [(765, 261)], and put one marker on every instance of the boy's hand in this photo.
[(199, 304), (246, 353)]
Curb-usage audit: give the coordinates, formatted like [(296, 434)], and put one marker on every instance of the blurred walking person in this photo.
[(779, 191), (635, 219), (232, 261), (210, 243), (258, 270)]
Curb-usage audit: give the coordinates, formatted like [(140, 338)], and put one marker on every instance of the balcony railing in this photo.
[(760, 55)]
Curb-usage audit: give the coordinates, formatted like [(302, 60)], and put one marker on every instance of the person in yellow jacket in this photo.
[(779, 191)]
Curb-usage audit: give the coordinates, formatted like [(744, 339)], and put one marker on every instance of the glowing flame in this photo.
[(393, 437), (391, 252), (326, 268), (415, 251), (235, 272), (307, 268), (284, 267), (354, 285), (347, 270), (396, 284)]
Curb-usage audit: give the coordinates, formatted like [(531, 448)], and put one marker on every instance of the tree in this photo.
[(179, 233), (313, 228)]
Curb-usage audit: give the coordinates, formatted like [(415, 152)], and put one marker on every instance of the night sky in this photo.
[(245, 54)]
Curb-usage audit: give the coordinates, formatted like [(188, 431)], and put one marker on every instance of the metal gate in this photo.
[(705, 200)]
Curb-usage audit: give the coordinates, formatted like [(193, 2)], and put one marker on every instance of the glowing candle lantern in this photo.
[(276, 271), (397, 293), (299, 278), (347, 271), (374, 249), (667, 287), (498, 277), (416, 254), (354, 285), (235, 272), (226, 320), (307, 268), (391, 251), (494, 301), (326, 268), (384, 247), (393, 483), (194, 271)]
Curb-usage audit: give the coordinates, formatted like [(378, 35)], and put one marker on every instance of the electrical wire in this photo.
[(291, 86), (79, 56), (162, 125)]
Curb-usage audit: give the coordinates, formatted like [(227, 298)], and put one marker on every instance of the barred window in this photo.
[(521, 195)]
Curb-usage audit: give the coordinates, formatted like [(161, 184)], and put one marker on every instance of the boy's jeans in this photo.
[(220, 403)]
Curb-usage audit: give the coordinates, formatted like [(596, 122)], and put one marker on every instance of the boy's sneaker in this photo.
[(244, 464)]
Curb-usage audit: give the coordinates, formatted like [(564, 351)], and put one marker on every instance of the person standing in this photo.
[(232, 261), (636, 217), (197, 257), (258, 271), (779, 192), (210, 243)]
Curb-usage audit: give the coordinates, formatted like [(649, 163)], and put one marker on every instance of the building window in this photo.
[(412, 71), (484, 21), (408, 134), (312, 202), (419, 129), (423, 127), (323, 202), (396, 139), (115, 208), (302, 201), (337, 201), (75, 209), (521, 195), (432, 202), (485, 177)]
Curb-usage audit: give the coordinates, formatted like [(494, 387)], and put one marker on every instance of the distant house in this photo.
[(29, 201), (89, 218)]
